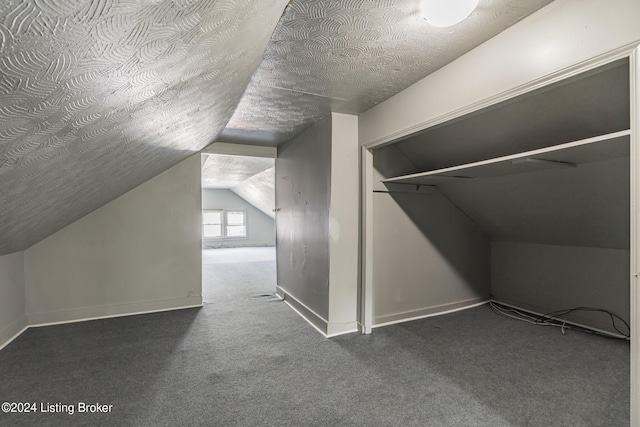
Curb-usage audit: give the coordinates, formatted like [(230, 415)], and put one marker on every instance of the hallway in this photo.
[(237, 272)]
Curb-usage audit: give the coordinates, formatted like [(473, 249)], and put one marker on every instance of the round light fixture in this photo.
[(445, 13)]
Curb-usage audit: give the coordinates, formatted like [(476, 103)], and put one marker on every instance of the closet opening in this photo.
[(525, 204)]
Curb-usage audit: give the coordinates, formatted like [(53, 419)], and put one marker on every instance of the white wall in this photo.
[(13, 317), (261, 229), (344, 221), (140, 252)]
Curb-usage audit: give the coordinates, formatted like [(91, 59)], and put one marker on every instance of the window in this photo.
[(219, 224), (236, 224), (212, 224)]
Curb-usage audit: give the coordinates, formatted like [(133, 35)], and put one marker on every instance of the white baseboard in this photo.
[(13, 331), (335, 329), (16, 328), (231, 245), (422, 313), (314, 319), (319, 323), (107, 311)]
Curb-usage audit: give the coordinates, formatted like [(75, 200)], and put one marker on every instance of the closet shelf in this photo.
[(603, 147)]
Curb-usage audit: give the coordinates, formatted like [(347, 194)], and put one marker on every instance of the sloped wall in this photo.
[(428, 257)]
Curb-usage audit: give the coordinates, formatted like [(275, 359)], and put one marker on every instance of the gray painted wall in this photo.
[(560, 240), (560, 237), (583, 206), (427, 257), (12, 296), (140, 252), (260, 227), (317, 224), (419, 240), (545, 278), (303, 195)]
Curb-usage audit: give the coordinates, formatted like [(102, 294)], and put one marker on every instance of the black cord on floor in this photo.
[(626, 332), (553, 319)]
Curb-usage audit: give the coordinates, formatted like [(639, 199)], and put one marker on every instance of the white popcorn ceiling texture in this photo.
[(98, 96)]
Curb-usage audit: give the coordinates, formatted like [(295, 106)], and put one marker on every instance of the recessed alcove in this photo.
[(526, 202)]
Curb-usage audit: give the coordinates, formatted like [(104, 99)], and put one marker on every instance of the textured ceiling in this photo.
[(226, 171), (252, 178), (98, 96), (349, 55), (260, 191)]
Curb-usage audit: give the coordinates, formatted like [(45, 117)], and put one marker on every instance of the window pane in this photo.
[(235, 218), (236, 231), (212, 217), (212, 231)]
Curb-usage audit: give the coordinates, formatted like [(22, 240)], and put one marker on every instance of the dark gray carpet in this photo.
[(246, 359)]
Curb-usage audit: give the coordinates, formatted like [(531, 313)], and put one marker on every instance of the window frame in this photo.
[(227, 225), (221, 212), (224, 223)]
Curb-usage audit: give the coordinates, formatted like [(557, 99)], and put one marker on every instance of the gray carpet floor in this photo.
[(246, 359)]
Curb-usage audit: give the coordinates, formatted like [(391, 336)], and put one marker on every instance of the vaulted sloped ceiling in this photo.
[(252, 178), (347, 56), (260, 191), (99, 96), (226, 171)]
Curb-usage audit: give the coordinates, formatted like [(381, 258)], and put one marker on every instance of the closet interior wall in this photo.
[(525, 202)]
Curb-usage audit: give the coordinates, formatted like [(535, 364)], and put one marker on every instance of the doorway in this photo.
[(238, 223)]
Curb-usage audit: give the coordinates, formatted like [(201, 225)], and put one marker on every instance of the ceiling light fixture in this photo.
[(445, 13)]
